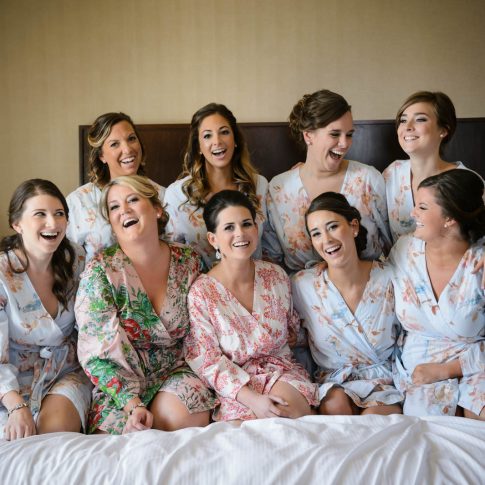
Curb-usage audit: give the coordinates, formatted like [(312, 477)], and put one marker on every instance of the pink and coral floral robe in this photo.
[(364, 188), (399, 197), (228, 347), (186, 224), (38, 352), (438, 331), (87, 226), (125, 348), (353, 351)]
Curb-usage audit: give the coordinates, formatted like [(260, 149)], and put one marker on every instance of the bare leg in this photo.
[(57, 413), (336, 402), (170, 413), (383, 410), (470, 415), (297, 404)]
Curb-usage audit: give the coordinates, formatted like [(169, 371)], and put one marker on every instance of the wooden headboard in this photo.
[(273, 150)]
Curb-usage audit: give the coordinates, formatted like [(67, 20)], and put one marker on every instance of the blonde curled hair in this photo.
[(143, 187)]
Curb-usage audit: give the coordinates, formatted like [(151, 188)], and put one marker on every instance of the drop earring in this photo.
[(218, 254)]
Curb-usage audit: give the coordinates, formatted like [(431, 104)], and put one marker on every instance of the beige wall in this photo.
[(63, 62)]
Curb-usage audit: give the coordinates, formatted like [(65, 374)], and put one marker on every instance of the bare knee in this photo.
[(336, 402), (171, 414), (58, 414), (383, 410), (297, 404), (471, 415)]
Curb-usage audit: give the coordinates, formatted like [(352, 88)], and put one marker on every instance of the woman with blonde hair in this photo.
[(132, 313), (216, 159), (116, 149)]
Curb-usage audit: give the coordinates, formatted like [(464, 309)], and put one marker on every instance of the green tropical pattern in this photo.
[(125, 348)]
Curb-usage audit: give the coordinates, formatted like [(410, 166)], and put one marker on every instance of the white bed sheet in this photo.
[(310, 450)]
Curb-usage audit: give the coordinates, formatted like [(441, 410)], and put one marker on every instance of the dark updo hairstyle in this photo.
[(443, 108), (459, 193), (315, 111), (97, 135), (196, 187), (335, 202), (222, 200), (62, 262)]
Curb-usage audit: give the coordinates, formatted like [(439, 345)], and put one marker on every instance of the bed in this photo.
[(310, 450)]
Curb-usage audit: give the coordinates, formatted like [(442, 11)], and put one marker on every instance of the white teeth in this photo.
[(410, 138), (240, 244), (128, 160), (129, 222), (51, 234), (333, 249), (219, 151)]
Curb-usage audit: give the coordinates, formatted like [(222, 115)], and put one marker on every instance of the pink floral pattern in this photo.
[(288, 201), (351, 350), (228, 347), (438, 331)]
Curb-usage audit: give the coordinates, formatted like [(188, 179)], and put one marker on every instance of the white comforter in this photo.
[(314, 449)]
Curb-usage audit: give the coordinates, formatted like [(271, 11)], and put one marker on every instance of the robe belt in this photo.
[(48, 367), (343, 373)]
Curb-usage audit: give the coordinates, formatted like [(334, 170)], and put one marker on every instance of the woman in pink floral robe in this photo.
[(132, 313), (440, 301), (241, 317)]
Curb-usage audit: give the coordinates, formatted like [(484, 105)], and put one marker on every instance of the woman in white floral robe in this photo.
[(440, 301), (348, 310), (38, 359)]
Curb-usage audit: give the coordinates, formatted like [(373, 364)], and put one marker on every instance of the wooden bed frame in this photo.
[(273, 150)]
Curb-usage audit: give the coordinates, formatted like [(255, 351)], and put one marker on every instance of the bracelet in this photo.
[(138, 405), (16, 408)]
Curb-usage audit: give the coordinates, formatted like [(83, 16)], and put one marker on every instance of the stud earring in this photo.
[(218, 254), (442, 135)]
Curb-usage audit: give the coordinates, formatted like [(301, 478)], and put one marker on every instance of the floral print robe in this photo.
[(229, 347), (438, 331), (87, 226), (38, 352), (186, 224), (363, 186), (125, 348), (399, 197), (352, 350)]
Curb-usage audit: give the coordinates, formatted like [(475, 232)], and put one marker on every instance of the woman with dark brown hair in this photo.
[(42, 387), (116, 149), (216, 159)]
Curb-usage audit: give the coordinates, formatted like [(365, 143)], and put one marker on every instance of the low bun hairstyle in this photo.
[(315, 111), (222, 200), (335, 202), (459, 193)]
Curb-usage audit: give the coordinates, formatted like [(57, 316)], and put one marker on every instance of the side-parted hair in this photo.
[(143, 187), (97, 135), (335, 202), (222, 200), (315, 111), (196, 187), (442, 106), (62, 262), (459, 193)]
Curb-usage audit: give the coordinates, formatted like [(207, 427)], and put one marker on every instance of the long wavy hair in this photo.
[(62, 262), (196, 187), (98, 133)]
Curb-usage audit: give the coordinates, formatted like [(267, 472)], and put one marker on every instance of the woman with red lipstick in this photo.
[(241, 317), (116, 149), (347, 307), (216, 159), (425, 123), (42, 387), (440, 301), (132, 313), (322, 121)]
